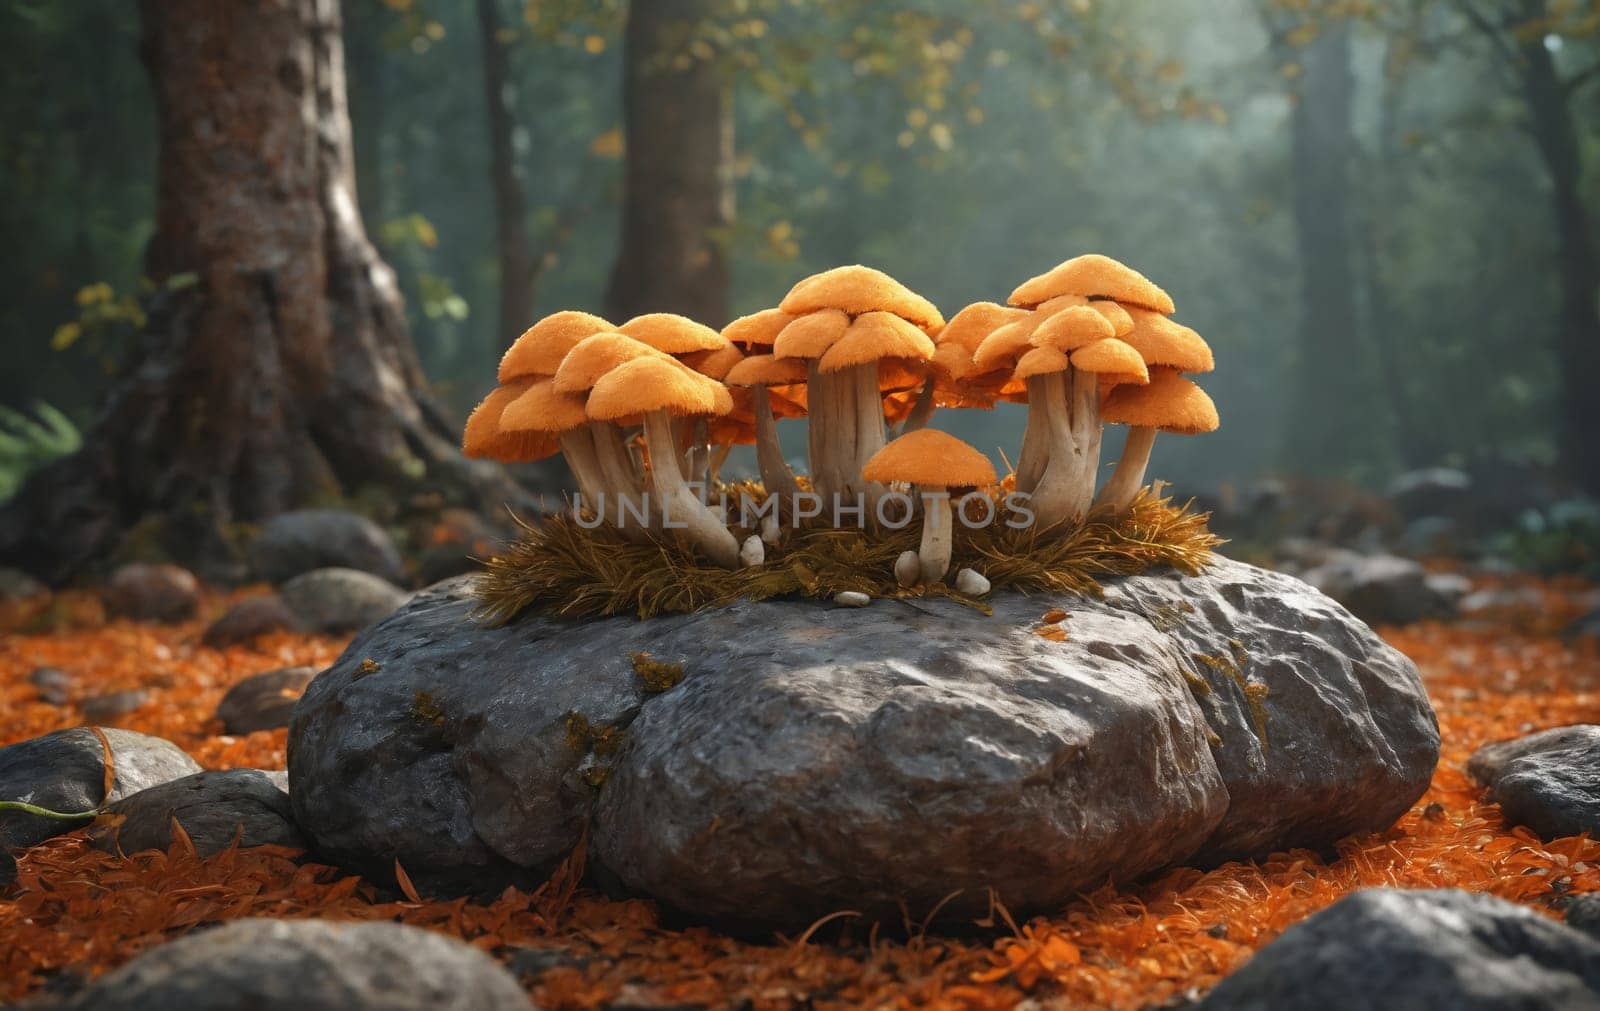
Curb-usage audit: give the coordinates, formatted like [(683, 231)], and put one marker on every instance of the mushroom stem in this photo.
[(619, 480), (1035, 439), (833, 432), (1128, 478), (700, 459), (1059, 496), (1087, 430), (922, 410), (678, 505), (937, 536), (577, 448), (868, 403), (776, 477), (719, 456)]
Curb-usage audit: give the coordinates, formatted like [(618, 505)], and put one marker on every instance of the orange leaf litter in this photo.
[(77, 911)]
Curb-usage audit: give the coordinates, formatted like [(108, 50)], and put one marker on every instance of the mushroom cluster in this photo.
[(645, 412)]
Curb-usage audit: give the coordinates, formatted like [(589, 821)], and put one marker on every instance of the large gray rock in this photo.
[(1381, 589), (1548, 781), (340, 600), (298, 542), (65, 771), (216, 809), (307, 965), (816, 758), (1386, 948), (1323, 729)]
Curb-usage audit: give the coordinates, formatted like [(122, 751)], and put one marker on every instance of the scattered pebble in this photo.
[(104, 708), (159, 593), (54, 684), (971, 583), (907, 569), (752, 552), (851, 598), (770, 531)]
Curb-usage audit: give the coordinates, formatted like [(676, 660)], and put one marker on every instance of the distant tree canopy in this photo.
[(1376, 211)]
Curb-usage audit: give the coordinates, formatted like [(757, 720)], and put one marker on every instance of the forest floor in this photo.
[(77, 912)]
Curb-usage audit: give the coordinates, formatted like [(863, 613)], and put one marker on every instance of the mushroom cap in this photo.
[(766, 370), (483, 439), (972, 324), (674, 334), (594, 356), (1001, 349), (758, 328), (930, 458), (1165, 342), (1121, 322), (1093, 274), (874, 336), (538, 352), (655, 384), (901, 374), (542, 408), (1041, 361), (714, 363), (1073, 328), (810, 335), (857, 289), (1112, 357), (1170, 403)]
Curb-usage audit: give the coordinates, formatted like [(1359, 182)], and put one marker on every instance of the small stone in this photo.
[(263, 701), (907, 569), (851, 598), (302, 965), (971, 583), (248, 620), (159, 593), (214, 808), (18, 585), (753, 552), (54, 685), (294, 543), (1548, 781), (340, 600), (104, 708)]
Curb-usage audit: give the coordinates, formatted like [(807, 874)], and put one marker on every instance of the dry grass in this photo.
[(559, 568)]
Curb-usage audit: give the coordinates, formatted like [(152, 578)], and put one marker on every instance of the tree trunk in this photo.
[(1328, 384), (677, 200), (510, 202), (275, 368), (1578, 339)]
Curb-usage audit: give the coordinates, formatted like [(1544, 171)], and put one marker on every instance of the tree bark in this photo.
[(1328, 380), (275, 368), (677, 199), (510, 202), (1549, 110)]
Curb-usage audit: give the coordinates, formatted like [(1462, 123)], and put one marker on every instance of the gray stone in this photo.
[(307, 965), (110, 706), (1548, 781), (340, 600), (1431, 491), (263, 701), (249, 620), (65, 771), (298, 542), (54, 685), (1381, 589), (146, 592), (1583, 913), (816, 758), (214, 808), (18, 585), (1500, 600), (1344, 739), (1387, 948), (1450, 587)]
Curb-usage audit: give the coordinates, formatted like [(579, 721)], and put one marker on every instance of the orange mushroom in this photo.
[(931, 459), (1170, 403)]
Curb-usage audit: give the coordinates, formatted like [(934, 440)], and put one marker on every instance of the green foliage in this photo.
[(1562, 539), (29, 442)]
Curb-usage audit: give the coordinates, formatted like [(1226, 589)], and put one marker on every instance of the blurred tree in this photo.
[(275, 366), (1524, 36), (677, 199), (510, 202)]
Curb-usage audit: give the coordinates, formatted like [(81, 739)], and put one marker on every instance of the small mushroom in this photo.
[(907, 569), (932, 460), (759, 373), (1170, 403), (752, 552), (540, 409)]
